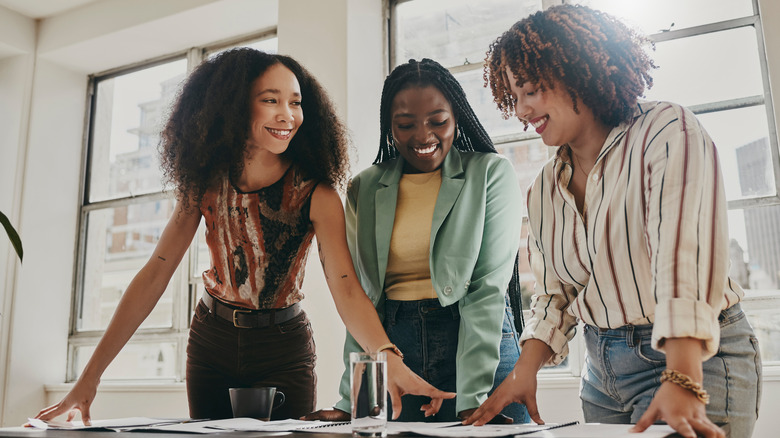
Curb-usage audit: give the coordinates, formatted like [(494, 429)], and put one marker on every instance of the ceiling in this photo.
[(43, 8)]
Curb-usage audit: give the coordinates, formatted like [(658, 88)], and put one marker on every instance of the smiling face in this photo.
[(551, 112), (423, 125), (276, 113)]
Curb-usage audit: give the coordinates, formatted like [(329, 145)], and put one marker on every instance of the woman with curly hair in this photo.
[(263, 177), (628, 234)]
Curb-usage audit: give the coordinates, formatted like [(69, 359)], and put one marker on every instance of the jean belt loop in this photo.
[(630, 336), (391, 308)]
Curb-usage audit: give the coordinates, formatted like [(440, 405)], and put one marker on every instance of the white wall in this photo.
[(42, 101)]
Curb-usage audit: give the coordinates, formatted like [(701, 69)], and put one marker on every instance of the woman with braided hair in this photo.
[(432, 228), (628, 234)]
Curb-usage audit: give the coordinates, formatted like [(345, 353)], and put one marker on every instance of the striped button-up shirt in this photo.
[(651, 246)]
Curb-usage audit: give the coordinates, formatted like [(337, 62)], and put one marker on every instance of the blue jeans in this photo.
[(622, 374), (427, 333)]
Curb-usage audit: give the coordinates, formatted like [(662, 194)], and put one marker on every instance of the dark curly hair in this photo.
[(428, 72), (205, 137), (595, 57)]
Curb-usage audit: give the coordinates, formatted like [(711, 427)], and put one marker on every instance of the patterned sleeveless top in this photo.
[(258, 241)]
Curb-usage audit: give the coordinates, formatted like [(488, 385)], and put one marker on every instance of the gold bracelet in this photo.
[(390, 346), (685, 381)]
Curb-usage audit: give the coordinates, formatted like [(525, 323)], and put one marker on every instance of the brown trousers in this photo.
[(221, 356)]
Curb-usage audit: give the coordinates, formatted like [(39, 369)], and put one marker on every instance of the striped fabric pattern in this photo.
[(651, 246)]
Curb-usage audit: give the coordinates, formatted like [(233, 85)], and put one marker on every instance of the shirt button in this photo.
[(447, 290), (595, 177)]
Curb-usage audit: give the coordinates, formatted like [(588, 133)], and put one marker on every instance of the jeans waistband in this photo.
[(428, 308)]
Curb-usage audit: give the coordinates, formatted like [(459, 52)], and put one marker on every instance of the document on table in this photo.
[(111, 424), (597, 430)]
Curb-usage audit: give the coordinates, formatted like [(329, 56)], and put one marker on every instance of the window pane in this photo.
[(653, 16), (527, 157), (129, 113), (453, 31), (742, 138), (694, 70), (486, 110), (765, 320), (137, 360), (755, 247), (119, 241)]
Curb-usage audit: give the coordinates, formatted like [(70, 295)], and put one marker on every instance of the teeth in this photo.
[(281, 132), (427, 150), (539, 122)]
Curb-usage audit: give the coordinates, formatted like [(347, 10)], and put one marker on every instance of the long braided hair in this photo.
[(471, 137)]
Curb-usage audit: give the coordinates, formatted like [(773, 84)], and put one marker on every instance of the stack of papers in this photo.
[(453, 429)]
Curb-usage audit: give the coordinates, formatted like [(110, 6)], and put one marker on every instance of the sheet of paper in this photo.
[(393, 427), (115, 423), (596, 430), (488, 430)]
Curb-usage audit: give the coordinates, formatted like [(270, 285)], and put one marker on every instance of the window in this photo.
[(124, 211), (711, 59)]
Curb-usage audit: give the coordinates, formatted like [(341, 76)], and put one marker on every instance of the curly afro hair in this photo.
[(205, 137), (595, 57)]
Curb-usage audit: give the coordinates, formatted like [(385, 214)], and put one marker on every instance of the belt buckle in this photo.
[(235, 316)]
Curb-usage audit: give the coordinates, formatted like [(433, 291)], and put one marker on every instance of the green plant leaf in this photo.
[(13, 235)]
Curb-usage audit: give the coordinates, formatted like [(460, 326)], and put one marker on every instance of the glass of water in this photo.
[(368, 382)]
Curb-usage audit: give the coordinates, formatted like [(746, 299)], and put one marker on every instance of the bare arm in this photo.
[(136, 303), (352, 303)]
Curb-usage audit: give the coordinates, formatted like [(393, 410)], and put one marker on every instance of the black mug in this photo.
[(255, 402)]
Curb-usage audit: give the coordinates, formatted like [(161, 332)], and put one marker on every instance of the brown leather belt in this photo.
[(248, 318)]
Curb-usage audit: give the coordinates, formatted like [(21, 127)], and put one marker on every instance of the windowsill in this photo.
[(124, 387)]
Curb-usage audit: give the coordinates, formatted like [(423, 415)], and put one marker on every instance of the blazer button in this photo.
[(447, 290)]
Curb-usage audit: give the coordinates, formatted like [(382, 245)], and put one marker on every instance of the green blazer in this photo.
[(475, 235)]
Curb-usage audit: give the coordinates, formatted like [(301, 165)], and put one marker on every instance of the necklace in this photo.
[(579, 166)]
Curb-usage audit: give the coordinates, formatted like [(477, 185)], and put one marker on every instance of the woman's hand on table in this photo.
[(401, 381), (78, 399), (498, 419), (681, 410)]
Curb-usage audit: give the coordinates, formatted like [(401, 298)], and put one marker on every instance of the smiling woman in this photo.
[(424, 127), (433, 236)]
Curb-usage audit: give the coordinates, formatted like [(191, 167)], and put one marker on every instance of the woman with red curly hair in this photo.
[(264, 178), (628, 234)]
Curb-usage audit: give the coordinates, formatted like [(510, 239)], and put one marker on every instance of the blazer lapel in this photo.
[(385, 202), (452, 180)]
